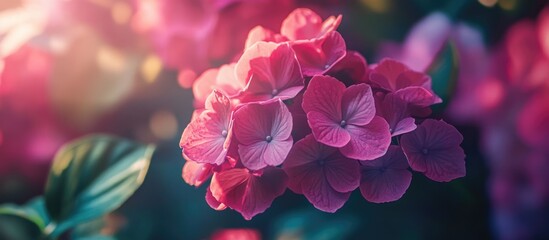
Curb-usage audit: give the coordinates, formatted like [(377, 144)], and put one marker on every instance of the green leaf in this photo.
[(23, 222), (444, 73), (93, 176)]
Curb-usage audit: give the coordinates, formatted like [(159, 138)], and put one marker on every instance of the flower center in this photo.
[(268, 138), (224, 133), (321, 162), (274, 92), (343, 123), (425, 151), (326, 66)]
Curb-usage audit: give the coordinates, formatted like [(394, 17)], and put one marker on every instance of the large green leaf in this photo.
[(23, 222), (91, 177)]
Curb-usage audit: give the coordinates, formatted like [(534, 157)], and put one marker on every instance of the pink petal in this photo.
[(369, 141), (203, 86), (253, 122), (324, 95), (246, 192), (358, 104), (286, 71), (351, 69), (395, 111), (301, 24), (226, 80), (259, 53), (343, 174), (195, 174), (269, 70), (258, 155), (262, 191), (405, 125), (212, 202), (236, 234), (385, 179), (320, 193), (259, 33), (418, 96), (425, 41), (306, 165), (385, 74), (413, 78), (318, 56), (327, 131), (303, 158), (206, 138), (433, 148), (263, 131)]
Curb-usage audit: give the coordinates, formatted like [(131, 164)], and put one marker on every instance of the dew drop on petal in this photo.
[(268, 138)]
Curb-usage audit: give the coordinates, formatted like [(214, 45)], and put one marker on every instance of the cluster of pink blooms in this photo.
[(510, 102), (298, 110)]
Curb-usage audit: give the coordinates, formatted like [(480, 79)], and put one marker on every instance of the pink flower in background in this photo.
[(186, 33), (249, 193), (236, 234), (532, 125), (206, 139), (345, 118), (387, 178), (433, 149), (269, 71), (263, 131), (321, 173)]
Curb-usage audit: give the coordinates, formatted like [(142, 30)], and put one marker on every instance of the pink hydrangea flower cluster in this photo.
[(298, 110)]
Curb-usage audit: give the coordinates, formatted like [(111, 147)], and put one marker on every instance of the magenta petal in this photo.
[(405, 125), (320, 193), (303, 158), (263, 131), (358, 104), (327, 131), (395, 111), (369, 141), (385, 179), (261, 154), (433, 148), (262, 191), (385, 74), (324, 95), (343, 174), (246, 192), (318, 56), (418, 96)]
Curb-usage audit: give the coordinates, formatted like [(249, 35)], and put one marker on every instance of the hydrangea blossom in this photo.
[(299, 110)]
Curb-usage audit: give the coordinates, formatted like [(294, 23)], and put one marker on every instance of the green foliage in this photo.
[(444, 73), (89, 178)]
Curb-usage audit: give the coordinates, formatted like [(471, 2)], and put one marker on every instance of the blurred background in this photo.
[(124, 67)]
